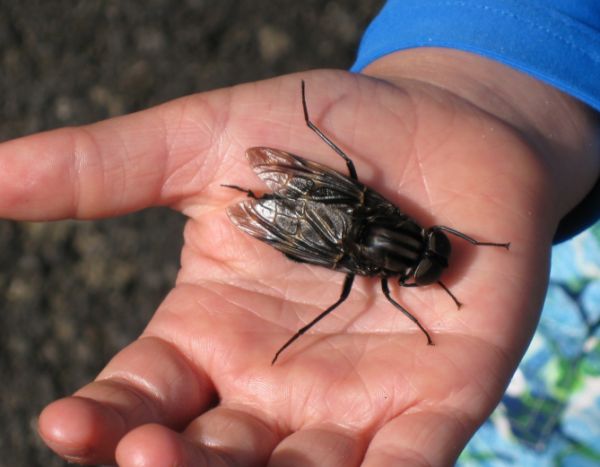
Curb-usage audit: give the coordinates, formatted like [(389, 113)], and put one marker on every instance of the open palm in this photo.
[(362, 387)]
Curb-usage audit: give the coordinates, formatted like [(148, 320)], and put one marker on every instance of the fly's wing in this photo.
[(293, 177), (304, 231)]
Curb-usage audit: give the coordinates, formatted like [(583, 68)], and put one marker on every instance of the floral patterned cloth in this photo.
[(550, 413)]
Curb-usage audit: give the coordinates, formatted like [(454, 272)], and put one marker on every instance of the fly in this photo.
[(319, 216)]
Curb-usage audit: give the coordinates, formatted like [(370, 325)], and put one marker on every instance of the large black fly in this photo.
[(319, 216)]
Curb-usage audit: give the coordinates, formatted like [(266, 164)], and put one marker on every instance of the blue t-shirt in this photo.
[(556, 41)]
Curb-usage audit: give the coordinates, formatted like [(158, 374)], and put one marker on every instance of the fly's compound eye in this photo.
[(435, 259), (438, 243), (428, 271)]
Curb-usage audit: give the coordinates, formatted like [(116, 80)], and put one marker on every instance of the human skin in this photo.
[(452, 138)]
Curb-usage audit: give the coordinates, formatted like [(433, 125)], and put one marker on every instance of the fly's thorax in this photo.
[(395, 246)]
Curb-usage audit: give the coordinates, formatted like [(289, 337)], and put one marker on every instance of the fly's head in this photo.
[(435, 258)]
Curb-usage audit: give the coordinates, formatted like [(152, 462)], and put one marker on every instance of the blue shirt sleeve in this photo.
[(556, 41)]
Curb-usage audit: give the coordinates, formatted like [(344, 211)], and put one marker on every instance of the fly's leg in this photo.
[(458, 304), (414, 284), (465, 237), (331, 144), (250, 193), (386, 291), (345, 292)]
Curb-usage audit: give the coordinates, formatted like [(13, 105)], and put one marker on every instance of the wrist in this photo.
[(561, 130)]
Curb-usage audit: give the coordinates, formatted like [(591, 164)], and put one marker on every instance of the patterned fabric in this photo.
[(550, 414)]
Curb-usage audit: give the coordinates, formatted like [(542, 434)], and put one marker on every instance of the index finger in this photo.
[(115, 166)]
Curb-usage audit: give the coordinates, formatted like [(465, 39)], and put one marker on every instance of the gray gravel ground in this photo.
[(73, 293)]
